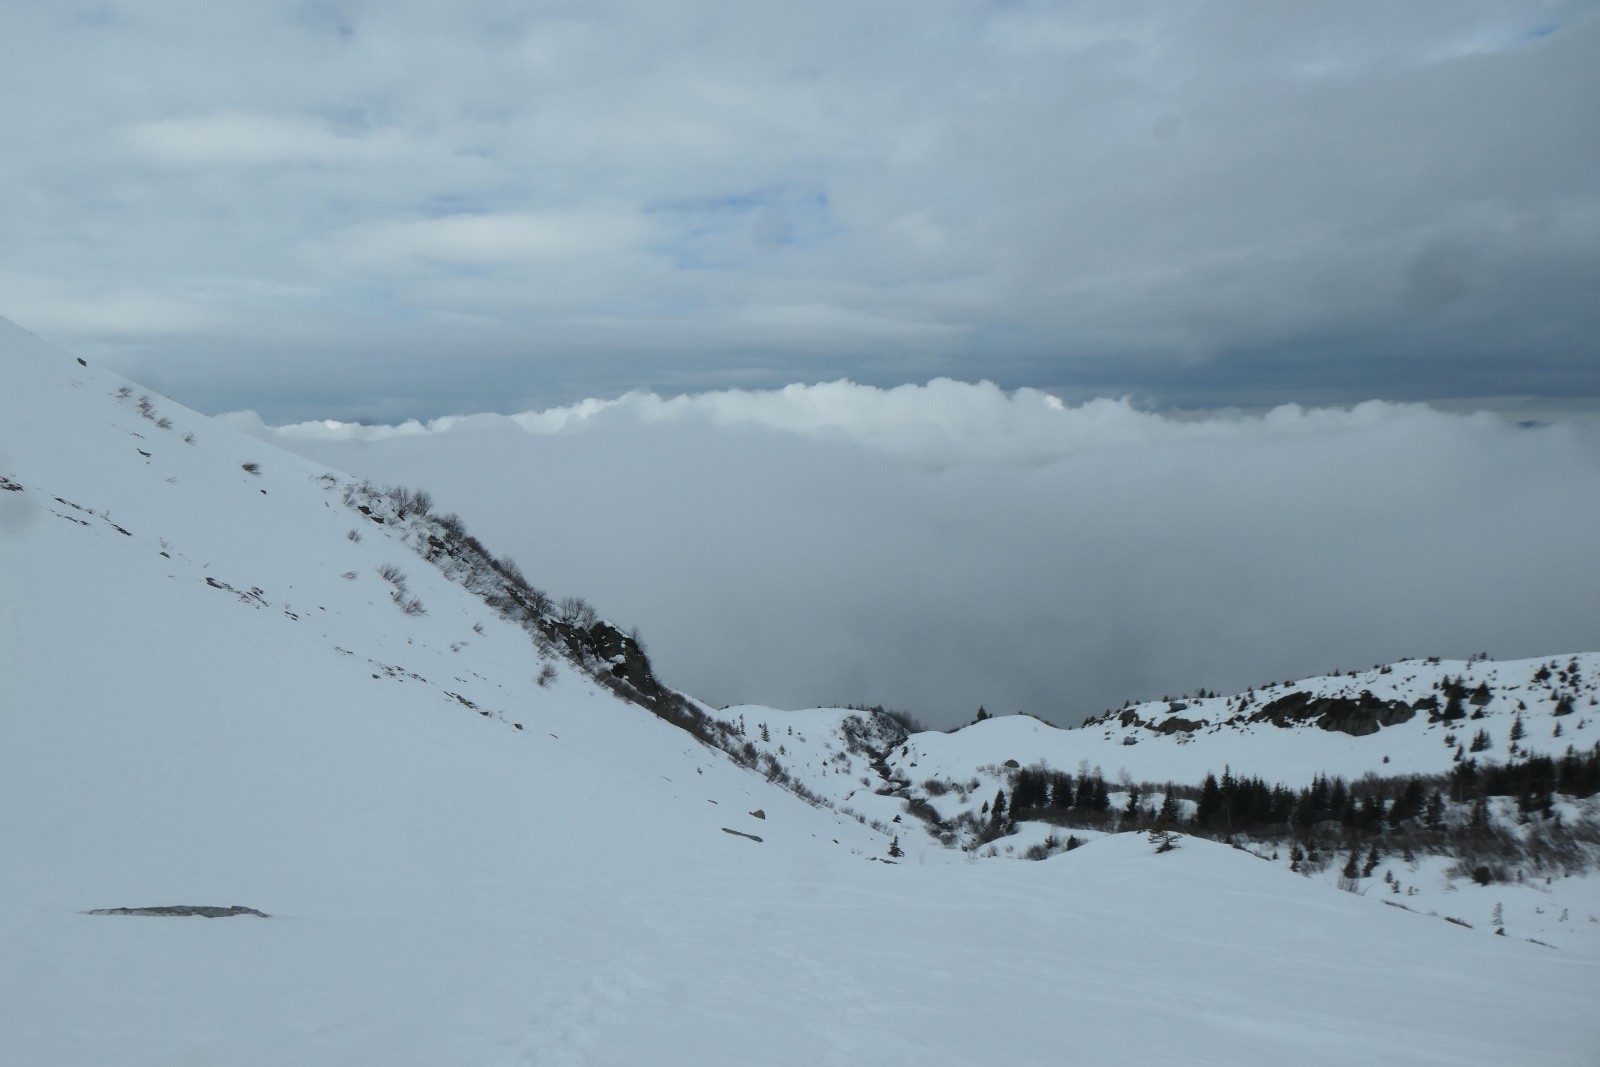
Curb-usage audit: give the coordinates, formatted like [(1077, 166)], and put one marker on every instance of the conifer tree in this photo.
[(1350, 866), (997, 810), (1435, 810), (1210, 803), (1372, 862), (1168, 814)]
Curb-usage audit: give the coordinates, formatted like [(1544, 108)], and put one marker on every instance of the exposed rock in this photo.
[(620, 652), (741, 833), (1178, 724), (1358, 716), (205, 911)]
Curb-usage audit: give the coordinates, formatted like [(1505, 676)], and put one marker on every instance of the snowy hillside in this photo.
[(483, 840), (1432, 775)]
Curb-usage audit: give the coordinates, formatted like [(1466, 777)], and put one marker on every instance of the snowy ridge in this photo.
[(1259, 732), (1403, 733), (472, 846), (1286, 733)]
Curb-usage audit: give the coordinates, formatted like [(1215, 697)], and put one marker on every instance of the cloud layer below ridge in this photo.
[(944, 546)]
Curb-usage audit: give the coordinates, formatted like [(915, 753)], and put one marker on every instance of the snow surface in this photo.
[(201, 708)]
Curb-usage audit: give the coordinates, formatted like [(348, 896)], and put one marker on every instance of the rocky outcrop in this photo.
[(1357, 716)]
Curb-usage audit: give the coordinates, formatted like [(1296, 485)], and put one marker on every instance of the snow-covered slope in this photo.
[(212, 696), (1284, 732)]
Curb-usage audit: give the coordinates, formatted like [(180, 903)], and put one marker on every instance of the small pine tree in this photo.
[(895, 851), (1433, 814), (1516, 729), (1168, 813)]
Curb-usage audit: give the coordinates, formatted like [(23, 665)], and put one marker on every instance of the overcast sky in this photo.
[(394, 209)]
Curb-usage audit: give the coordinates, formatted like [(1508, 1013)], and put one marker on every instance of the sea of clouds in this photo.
[(941, 547)]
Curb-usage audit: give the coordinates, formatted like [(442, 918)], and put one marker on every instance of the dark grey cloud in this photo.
[(401, 209), (941, 547)]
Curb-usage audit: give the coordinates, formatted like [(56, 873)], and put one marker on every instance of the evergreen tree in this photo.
[(1337, 799), (1210, 803), (1434, 814), (1409, 804), (1168, 814)]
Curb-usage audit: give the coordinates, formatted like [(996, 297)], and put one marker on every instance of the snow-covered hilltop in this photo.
[(293, 770), (1483, 776)]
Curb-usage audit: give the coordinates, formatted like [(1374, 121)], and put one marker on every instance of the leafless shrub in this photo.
[(354, 535), (576, 612), (547, 674), (408, 605), (409, 501), (250, 468)]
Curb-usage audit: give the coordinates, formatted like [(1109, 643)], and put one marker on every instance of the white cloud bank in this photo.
[(943, 546)]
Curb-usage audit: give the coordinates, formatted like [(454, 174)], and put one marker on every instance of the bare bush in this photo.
[(409, 605), (576, 612)]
